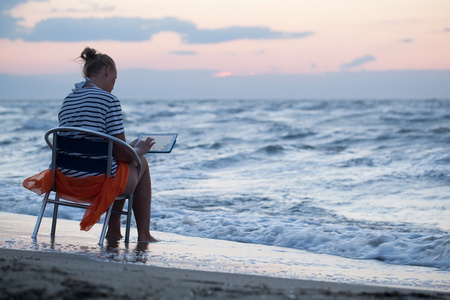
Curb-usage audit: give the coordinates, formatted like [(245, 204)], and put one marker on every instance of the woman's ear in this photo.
[(107, 70)]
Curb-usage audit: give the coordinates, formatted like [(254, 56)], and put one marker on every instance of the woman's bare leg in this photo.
[(141, 204), (114, 222)]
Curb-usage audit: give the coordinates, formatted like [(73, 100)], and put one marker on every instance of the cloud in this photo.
[(8, 24), (207, 36), (183, 52), (447, 29), (358, 62), (235, 74), (260, 52), (138, 29), (6, 5), (406, 40), (88, 8)]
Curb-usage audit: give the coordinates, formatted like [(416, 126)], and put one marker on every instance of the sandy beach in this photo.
[(73, 266), (45, 275)]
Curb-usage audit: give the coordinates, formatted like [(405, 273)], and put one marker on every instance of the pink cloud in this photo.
[(229, 73)]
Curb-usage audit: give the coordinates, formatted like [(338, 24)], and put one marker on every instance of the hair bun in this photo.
[(88, 54), (94, 61)]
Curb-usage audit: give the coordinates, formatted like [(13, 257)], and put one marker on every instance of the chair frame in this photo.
[(111, 141)]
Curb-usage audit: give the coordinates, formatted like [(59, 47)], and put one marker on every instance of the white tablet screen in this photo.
[(164, 141)]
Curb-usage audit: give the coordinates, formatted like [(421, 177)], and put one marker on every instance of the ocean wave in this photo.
[(272, 149), (38, 124), (291, 135), (445, 160), (356, 162), (435, 175), (161, 114), (404, 248), (210, 146), (222, 161), (440, 130)]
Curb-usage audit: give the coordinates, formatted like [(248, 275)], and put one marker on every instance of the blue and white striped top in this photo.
[(90, 107)]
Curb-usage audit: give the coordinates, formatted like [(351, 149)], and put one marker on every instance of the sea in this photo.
[(359, 179)]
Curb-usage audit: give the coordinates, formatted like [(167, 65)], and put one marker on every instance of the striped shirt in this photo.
[(95, 109)]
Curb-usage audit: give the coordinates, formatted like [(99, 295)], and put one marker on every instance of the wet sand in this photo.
[(73, 266)]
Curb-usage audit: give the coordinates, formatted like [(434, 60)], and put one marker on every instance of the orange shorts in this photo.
[(99, 191)]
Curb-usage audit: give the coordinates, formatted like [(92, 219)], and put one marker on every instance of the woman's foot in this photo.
[(113, 235), (146, 238)]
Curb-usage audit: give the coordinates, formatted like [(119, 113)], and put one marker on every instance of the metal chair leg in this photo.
[(129, 213), (55, 217), (105, 226), (41, 214)]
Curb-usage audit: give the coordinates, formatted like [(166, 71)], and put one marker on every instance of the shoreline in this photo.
[(181, 267), (45, 275)]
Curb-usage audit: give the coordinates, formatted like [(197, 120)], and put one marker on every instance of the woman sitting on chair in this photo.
[(92, 106)]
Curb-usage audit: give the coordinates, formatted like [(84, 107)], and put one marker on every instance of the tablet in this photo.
[(164, 141)]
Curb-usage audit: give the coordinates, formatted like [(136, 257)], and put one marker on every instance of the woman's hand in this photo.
[(142, 146), (133, 143)]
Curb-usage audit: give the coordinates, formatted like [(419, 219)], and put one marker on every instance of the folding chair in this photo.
[(97, 144)]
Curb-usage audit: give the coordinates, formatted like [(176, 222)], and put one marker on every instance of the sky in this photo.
[(178, 49)]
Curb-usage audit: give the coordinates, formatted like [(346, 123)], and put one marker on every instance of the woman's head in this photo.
[(95, 61), (100, 68)]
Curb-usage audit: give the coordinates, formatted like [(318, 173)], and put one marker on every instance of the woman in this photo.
[(92, 106)]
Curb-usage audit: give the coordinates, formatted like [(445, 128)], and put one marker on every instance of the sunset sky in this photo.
[(301, 48)]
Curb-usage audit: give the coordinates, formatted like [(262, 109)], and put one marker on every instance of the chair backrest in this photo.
[(91, 153), (88, 148)]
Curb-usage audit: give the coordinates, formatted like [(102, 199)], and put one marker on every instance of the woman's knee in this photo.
[(144, 166), (144, 162), (132, 179)]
